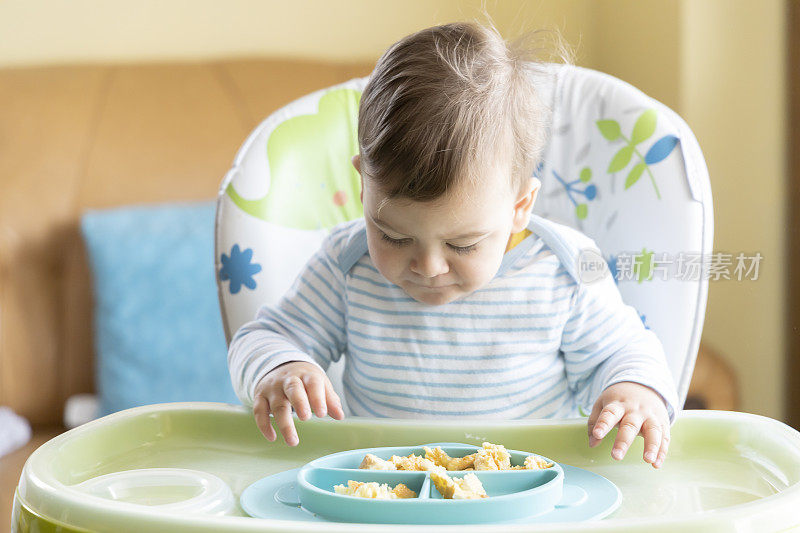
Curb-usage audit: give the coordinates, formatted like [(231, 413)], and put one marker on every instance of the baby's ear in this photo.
[(524, 204)]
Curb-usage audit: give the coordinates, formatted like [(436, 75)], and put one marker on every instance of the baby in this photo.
[(450, 298)]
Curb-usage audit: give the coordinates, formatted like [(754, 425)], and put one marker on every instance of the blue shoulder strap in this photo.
[(561, 240), (354, 247)]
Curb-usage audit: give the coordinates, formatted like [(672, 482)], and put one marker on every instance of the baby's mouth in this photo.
[(431, 287)]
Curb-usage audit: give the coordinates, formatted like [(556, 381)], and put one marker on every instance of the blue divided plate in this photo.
[(559, 493)]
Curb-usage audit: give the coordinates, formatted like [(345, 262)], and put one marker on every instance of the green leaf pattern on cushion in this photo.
[(610, 129), (635, 174), (621, 159), (311, 185), (643, 129)]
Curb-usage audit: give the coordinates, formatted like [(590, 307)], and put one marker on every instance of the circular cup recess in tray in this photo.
[(512, 494)]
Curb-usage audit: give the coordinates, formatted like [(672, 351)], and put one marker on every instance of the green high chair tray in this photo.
[(725, 471)]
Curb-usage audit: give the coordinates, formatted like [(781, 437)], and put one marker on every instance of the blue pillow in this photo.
[(158, 331)]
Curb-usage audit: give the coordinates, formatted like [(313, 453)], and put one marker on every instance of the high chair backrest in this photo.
[(619, 166)]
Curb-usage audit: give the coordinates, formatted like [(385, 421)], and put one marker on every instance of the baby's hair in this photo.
[(449, 102)]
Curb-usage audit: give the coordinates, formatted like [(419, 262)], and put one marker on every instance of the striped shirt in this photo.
[(533, 342)]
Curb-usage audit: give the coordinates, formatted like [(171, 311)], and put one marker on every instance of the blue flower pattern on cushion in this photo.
[(238, 269), (589, 191)]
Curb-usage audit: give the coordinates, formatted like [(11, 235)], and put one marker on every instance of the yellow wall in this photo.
[(733, 95), (638, 41), (719, 63), (55, 31)]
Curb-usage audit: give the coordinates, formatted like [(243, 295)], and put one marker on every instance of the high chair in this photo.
[(619, 166)]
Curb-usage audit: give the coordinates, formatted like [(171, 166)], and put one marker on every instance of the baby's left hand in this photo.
[(639, 410)]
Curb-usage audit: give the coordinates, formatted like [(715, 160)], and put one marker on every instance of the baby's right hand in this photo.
[(296, 384)]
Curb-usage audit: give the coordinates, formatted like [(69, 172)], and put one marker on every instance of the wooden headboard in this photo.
[(80, 137)]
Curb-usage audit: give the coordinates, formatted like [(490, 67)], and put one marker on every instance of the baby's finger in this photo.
[(662, 453), (283, 416), (593, 416), (296, 393), (610, 415), (316, 393), (333, 401), (628, 429), (596, 408), (651, 431), (261, 414)]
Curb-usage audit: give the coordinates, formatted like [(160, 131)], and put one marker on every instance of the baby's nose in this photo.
[(429, 265)]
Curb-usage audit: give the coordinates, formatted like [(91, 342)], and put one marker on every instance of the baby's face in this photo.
[(441, 250)]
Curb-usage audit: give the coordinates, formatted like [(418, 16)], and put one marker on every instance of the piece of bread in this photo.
[(492, 457), (374, 490), (468, 487), (440, 458), (404, 492), (373, 462), (413, 462)]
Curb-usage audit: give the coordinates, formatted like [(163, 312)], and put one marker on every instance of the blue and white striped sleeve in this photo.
[(307, 324), (604, 342)]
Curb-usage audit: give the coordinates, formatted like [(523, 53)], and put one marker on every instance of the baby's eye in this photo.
[(463, 249), (403, 242), (393, 242)]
